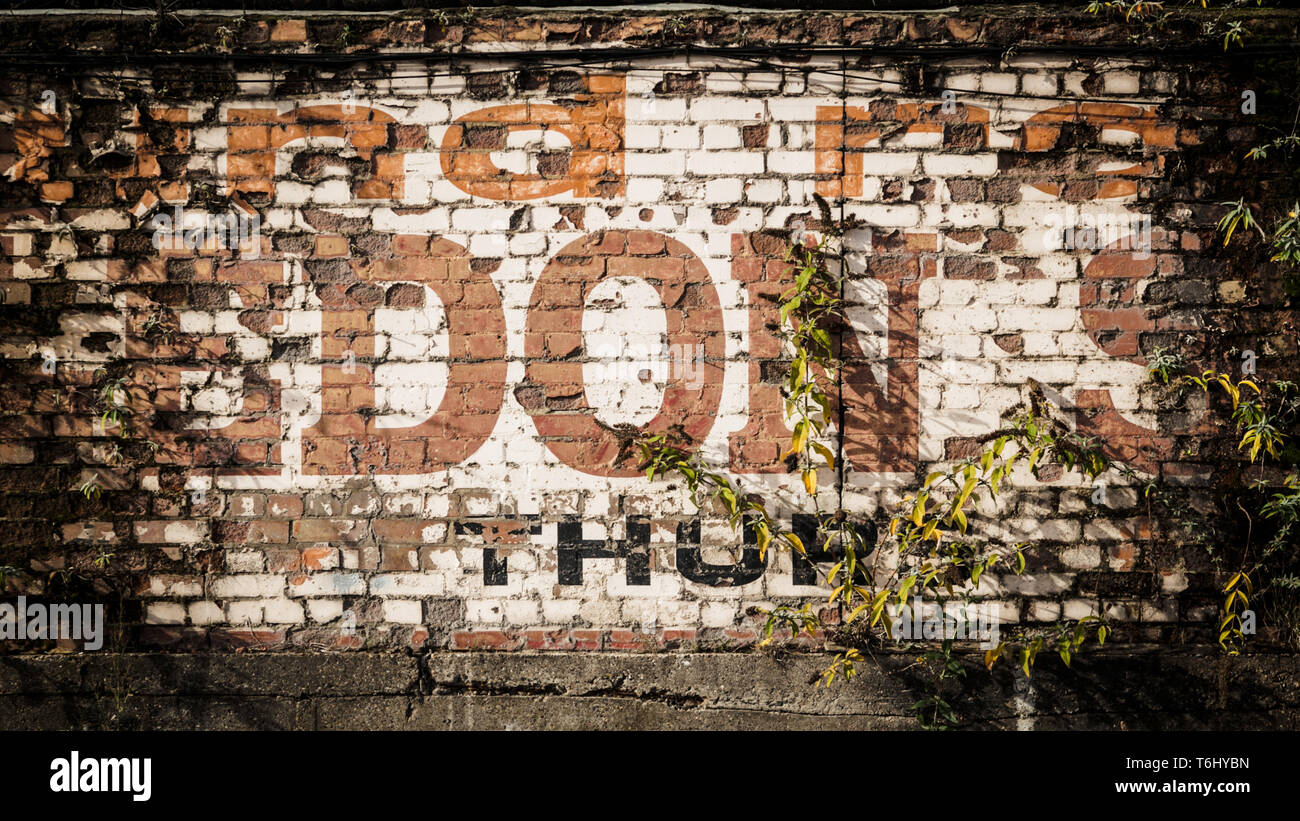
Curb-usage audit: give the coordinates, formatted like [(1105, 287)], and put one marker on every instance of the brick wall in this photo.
[(386, 414)]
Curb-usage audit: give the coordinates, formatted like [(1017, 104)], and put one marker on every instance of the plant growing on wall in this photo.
[(1260, 570), (933, 548), (1258, 566)]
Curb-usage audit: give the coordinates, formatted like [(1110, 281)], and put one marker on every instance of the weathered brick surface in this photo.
[(385, 418)]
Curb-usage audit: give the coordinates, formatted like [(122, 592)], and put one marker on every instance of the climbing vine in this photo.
[(934, 548), (1258, 566)]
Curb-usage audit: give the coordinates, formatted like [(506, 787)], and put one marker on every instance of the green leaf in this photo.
[(792, 305), (729, 497), (801, 278), (905, 587)]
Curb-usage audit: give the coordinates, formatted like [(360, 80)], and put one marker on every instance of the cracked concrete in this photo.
[(1142, 690)]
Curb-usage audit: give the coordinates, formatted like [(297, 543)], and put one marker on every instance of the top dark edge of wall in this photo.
[(76, 31), (345, 6)]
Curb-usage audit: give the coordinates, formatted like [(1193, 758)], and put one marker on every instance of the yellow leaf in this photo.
[(796, 543), (965, 493), (825, 454), (830, 574), (991, 656), (810, 482), (800, 437)]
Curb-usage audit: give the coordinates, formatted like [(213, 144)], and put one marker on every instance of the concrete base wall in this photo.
[(1143, 690)]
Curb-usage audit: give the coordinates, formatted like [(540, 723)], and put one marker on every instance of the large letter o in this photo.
[(553, 392)]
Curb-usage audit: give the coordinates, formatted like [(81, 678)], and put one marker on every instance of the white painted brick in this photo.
[(484, 611), (1121, 82), (407, 584), (889, 163), (329, 584), (665, 164), (242, 613), (709, 109), (1041, 84), (247, 585), (791, 162), (206, 612), (522, 612), (560, 611), (400, 611), (763, 190), (164, 613), (721, 163), (722, 136), (282, 611), (960, 165), (998, 83), (681, 136), (641, 136), (324, 610), (724, 190)]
